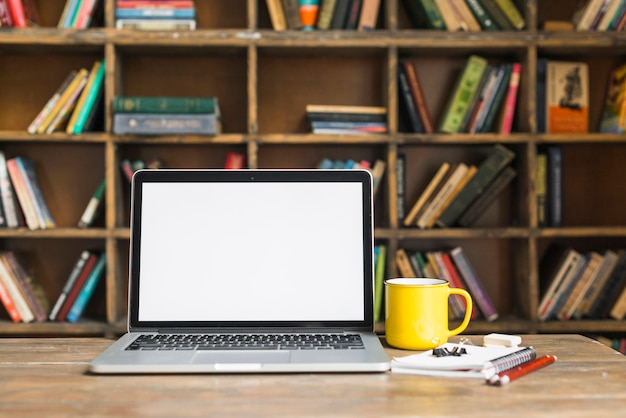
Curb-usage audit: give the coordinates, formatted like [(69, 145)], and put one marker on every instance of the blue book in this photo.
[(155, 13), (85, 294)]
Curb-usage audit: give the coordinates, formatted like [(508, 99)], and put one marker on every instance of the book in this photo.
[(614, 113), (29, 174), (494, 102), (403, 264), (466, 16), (586, 13), (580, 286), (15, 294), (277, 15), (88, 99), (5, 14), (51, 103), (57, 114), (463, 92), (8, 304), (407, 102), (449, 16), (618, 310), (380, 263), (424, 14), (512, 13), (84, 14), (603, 291), (611, 291), (78, 266), (505, 124), (426, 194), (556, 266), (541, 187), (368, 15), (567, 97), (497, 14), (598, 279), (292, 14), (456, 281), (479, 362), (60, 120), (155, 13), (7, 194), (156, 24), (30, 285), (165, 104), (497, 158), (456, 309), (417, 94), (354, 11), (24, 197), (17, 13), (340, 14), (82, 97), (93, 206), (471, 171), (488, 196), (540, 92), (77, 286), (377, 170), (612, 7), (554, 196), (482, 16), (235, 160), (325, 16), (401, 186), (166, 123), (430, 211), (473, 284), (87, 290)]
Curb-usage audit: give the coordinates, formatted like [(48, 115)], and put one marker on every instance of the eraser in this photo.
[(502, 340)]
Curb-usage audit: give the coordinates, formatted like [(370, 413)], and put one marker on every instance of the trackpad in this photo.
[(253, 357)]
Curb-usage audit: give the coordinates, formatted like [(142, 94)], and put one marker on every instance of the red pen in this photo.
[(506, 376)]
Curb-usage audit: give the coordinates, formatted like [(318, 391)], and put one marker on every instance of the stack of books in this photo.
[(599, 15), (155, 15), (581, 284), (459, 193), (21, 292), (23, 203), (324, 14), (79, 287), (18, 13), (454, 266), (76, 106), (78, 14), (347, 120), (166, 115), (376, 168), (484, 98), (465, 15)]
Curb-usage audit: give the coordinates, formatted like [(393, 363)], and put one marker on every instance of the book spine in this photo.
[(163, 124), (29, 287), (6, 193), (418, 96), (497, 159), (368, 15), (428, 191), (604, 272), (540, 89), (90, 99), (32, 183), (17, 13), (456, 281), (277, 16), (78, 267), (340, 14), (61, 103), (555, 186), (85, 294), (83, 15), (67, 108), (142, 104), (473, 284), (156, 13), (512, 13), (82, 97), (327, 8), (496, 104), (429, 212), (403, 263), (292, 14), (407, 101), (91, 210), (464, 91), (449, 16), (352, 19), (482, 202), (496, 14), (6, 300), (5, 14), (510, 102), (486, 22), (379, 276), (156, 24), (47, 109), (25, 201), (15, 294)]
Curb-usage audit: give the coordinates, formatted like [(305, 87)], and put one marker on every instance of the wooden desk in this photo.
[(47, 377)]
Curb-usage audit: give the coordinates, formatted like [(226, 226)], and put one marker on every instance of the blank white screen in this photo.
[(251, 252)]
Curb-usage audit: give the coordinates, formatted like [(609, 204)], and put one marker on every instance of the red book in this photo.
[(418, 96), (455, 279), (6, 300), (17, 13), (82, 278)]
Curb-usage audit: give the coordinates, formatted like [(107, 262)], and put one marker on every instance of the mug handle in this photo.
[(468, 310)]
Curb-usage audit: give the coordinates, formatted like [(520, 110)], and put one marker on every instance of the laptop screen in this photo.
[(247, 247)]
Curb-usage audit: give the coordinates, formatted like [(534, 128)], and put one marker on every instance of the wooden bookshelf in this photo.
[(264, 79)]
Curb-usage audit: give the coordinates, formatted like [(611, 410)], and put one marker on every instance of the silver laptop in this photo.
[(249, 271)]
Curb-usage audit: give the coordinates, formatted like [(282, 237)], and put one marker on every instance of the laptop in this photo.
[(249, 271)]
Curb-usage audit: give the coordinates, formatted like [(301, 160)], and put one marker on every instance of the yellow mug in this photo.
[(416, 312)]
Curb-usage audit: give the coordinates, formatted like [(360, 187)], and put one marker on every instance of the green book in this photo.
[(512, 13), (90, 99), (379, 277), (91, 210), (496, 160), (496, 14), (424, 14), (462, 95), (166, 104), (479, 12)]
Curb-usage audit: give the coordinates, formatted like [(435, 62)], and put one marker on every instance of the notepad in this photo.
[(479, 362)]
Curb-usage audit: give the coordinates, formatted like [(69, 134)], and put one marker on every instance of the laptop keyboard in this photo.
[(247, 342)]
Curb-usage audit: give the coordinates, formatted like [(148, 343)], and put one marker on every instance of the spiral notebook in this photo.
[(479, 362)]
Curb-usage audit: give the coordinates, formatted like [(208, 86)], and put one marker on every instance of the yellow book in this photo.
[(83, 96), (67, 94)]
